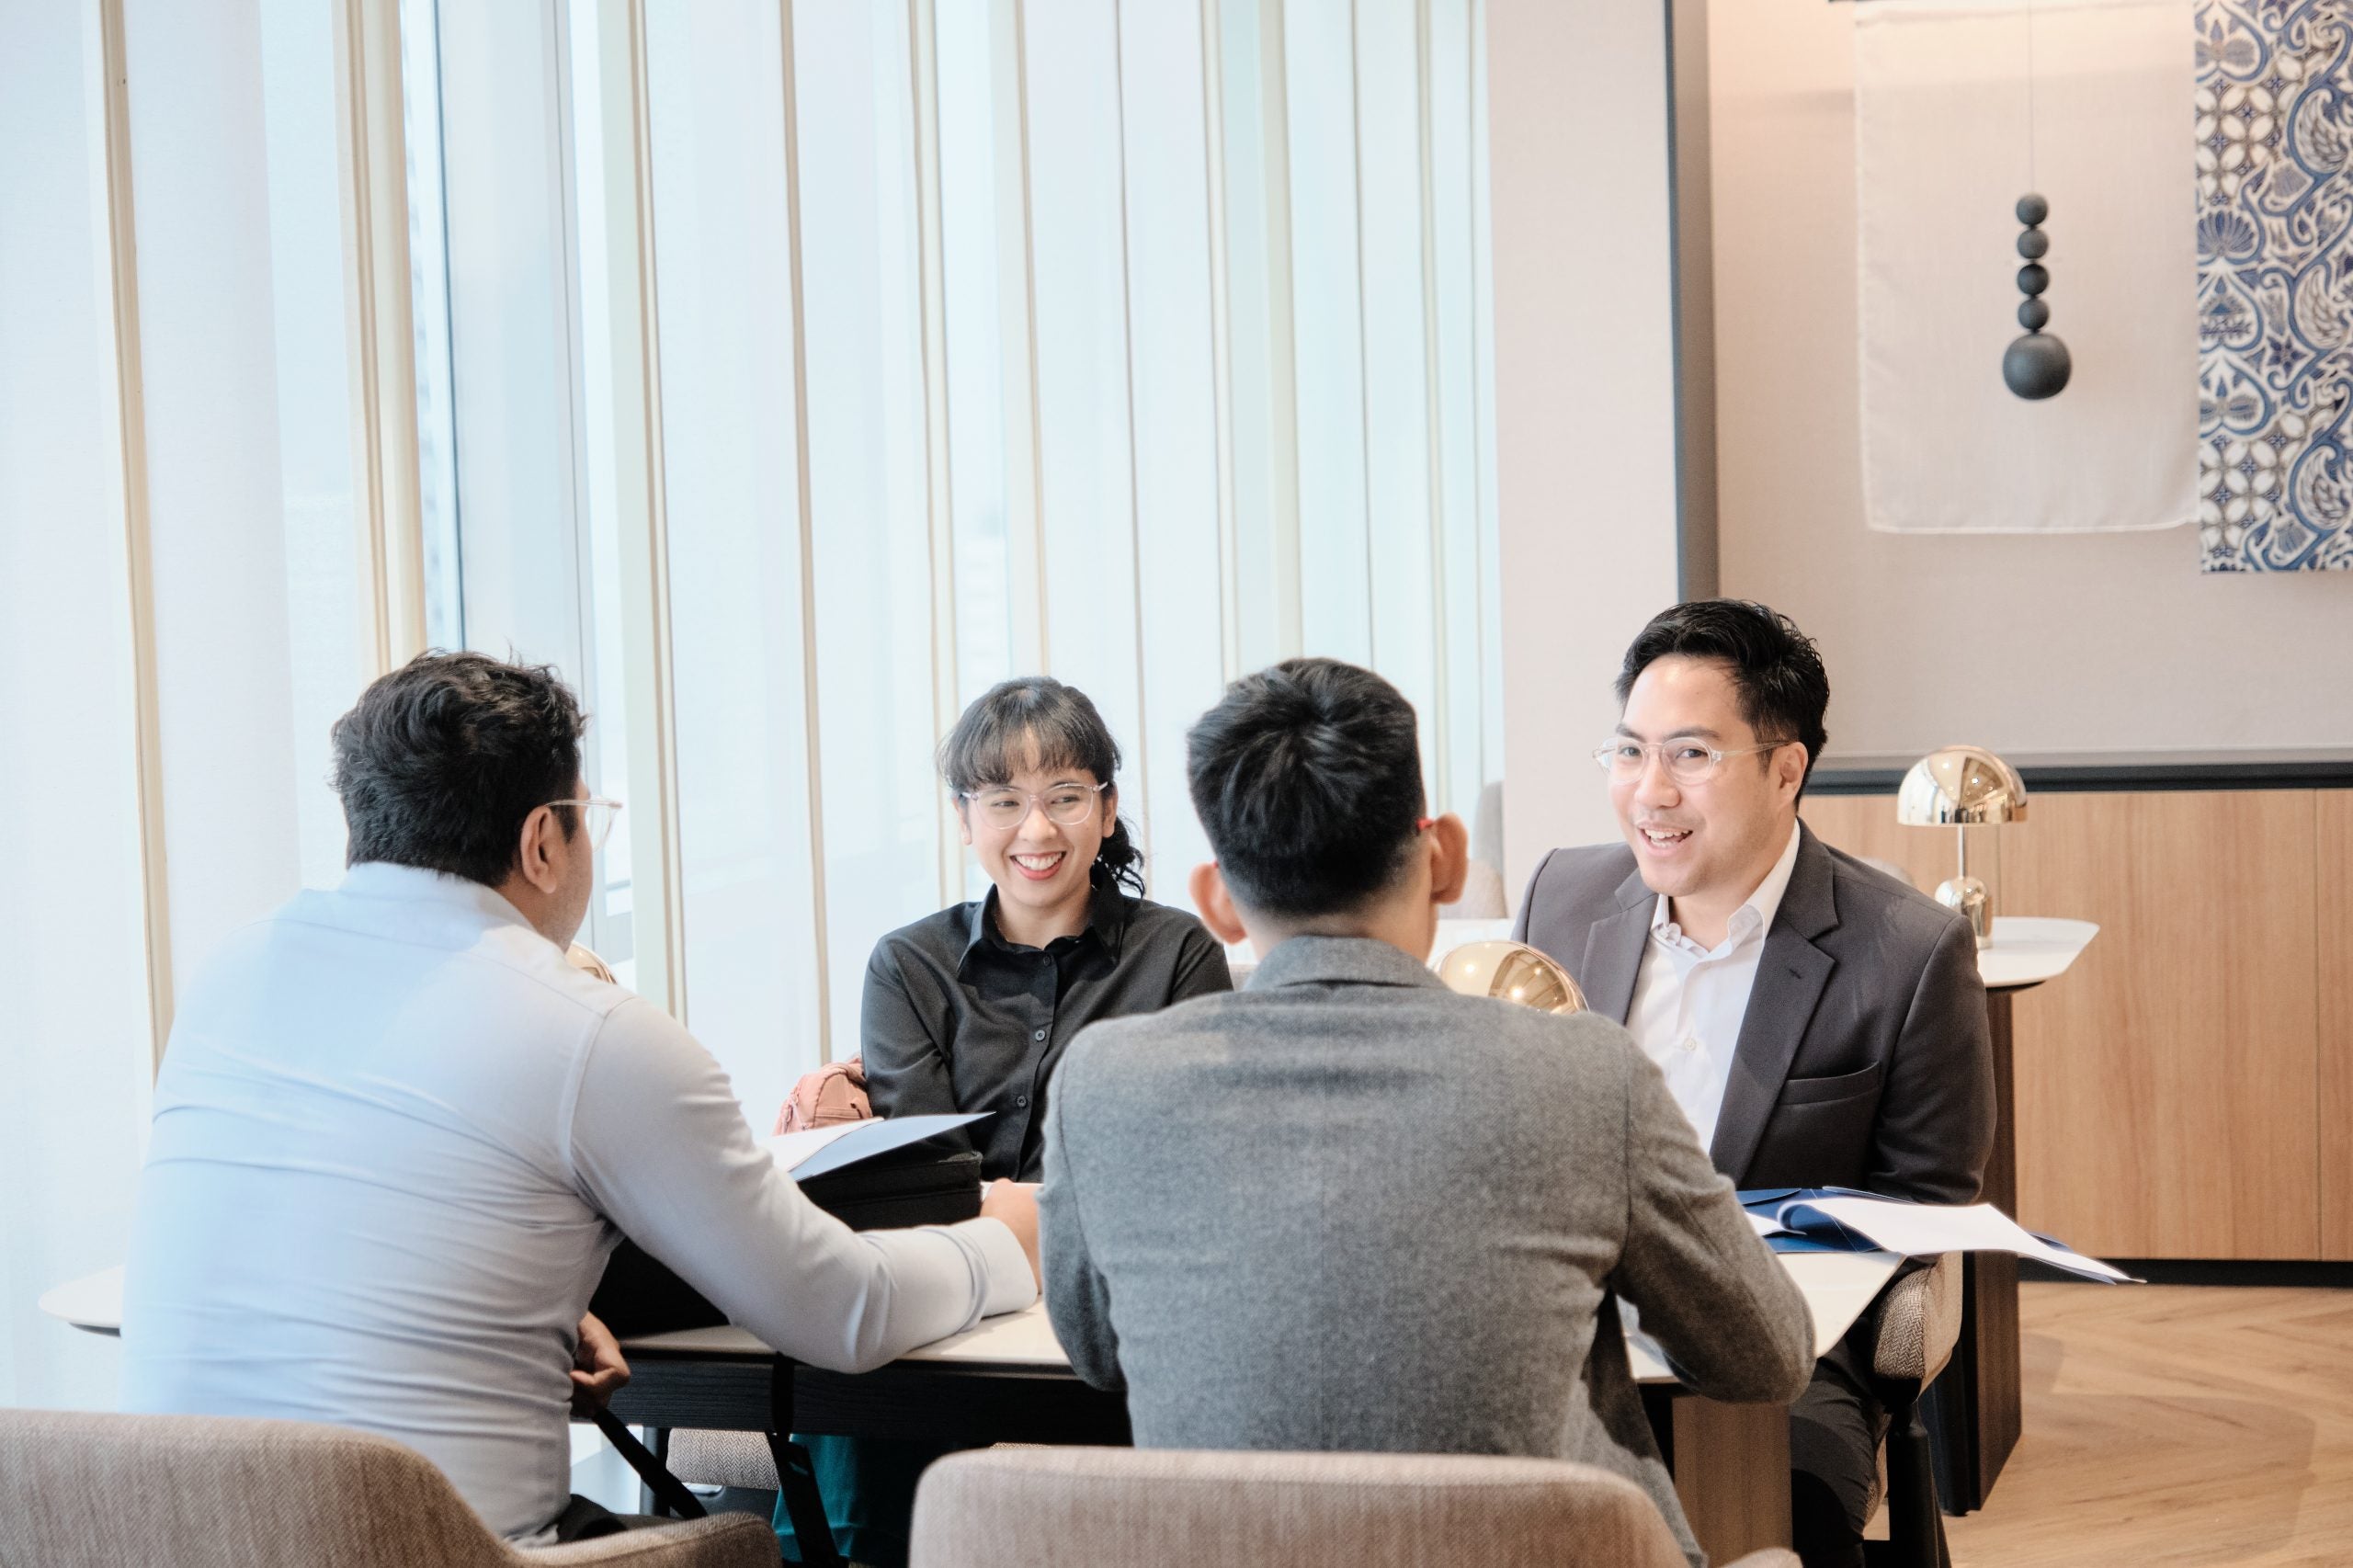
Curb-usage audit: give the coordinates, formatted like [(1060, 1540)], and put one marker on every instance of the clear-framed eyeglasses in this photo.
[(1686, 761), (597, 815), (1002, 806)]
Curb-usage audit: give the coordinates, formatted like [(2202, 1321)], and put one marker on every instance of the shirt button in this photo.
[(1040, 1035), (1020, 1101), (1689, 1043)]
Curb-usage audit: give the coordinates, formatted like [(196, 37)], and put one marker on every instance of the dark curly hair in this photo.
[(440, 762)]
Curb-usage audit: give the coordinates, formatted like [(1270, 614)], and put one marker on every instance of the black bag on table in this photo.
[(919, 1184)]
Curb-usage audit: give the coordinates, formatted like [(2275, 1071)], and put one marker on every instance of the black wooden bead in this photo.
[(2035, 366), (2033, 314), (2033, 278), (2032, 209), (2033, 243)]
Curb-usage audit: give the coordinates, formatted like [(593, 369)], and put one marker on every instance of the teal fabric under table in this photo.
[(869, 1486)]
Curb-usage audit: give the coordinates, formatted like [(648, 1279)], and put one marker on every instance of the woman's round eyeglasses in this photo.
[(1002, 806)]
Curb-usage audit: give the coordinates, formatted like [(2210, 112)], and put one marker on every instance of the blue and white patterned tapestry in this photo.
[(2275, 284)]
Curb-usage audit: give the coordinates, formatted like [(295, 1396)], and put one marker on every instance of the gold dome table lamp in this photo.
[(1512, 971), (1960, 787)]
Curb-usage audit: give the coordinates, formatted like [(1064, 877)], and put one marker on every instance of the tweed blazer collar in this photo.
[(1340, 961)]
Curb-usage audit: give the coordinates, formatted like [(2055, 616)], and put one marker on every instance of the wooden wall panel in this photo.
[(1866, 824), (2166, 1085), (2334, 929)]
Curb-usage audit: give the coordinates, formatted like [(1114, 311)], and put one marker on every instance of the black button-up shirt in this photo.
[(957, 1019)]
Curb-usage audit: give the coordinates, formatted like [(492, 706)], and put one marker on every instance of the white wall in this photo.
[(2110, 642), (1585, 389)]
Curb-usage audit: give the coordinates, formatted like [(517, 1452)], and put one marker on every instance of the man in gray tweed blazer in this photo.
[(1346, 1207)]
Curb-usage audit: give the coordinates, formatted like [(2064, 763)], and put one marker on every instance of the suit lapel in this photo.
[(1613, 950), (1791, 975)]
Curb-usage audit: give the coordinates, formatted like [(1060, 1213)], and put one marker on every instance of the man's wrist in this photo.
[(1011, 1285)]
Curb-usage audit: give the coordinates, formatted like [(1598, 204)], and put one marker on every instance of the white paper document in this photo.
[(1922, 1230), (821, 1150)]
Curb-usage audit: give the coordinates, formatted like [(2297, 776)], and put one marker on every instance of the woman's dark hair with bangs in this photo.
[(1039, 716)]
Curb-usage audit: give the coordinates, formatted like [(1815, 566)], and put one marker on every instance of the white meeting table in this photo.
[(1008, 1380)]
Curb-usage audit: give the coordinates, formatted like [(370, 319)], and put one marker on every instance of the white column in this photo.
[(1578, 107)]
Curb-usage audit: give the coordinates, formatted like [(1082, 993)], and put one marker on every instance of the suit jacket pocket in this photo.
[(1826, 1091)]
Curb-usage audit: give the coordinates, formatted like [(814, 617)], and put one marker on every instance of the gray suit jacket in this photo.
[(1864, 1058), (1347, 1209)]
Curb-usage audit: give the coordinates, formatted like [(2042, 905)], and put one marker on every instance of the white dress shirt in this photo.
[(1690, 1000), (396, 1136)]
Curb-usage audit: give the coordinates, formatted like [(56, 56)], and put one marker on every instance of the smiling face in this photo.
[(1041, 868), (1710, 841)]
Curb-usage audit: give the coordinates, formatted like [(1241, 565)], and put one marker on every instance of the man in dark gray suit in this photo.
[(1346, 1207), (1820, 1023)]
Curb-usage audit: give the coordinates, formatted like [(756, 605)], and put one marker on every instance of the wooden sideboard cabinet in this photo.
[(2186, 1091)]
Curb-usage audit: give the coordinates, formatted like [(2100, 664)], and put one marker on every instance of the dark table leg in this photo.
[(1974, 1406)]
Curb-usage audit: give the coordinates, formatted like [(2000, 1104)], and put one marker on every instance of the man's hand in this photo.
[(598, 1369), (1016, 1204)]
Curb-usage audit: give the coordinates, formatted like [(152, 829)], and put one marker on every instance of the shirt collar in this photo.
[(392, 884), (1359, 960), (1108, 910), (1756, 914)]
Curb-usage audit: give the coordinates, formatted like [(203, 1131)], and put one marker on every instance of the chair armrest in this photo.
[(1919, 1322), (723, 1540)]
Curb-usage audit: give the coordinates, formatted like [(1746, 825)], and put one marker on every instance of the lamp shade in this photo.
[(1511, 972), (1961, 785)]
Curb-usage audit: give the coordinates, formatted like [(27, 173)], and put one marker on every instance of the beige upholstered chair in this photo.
[(1919, 1323), (1160, 1508), (92, 1491), (721, 1459)]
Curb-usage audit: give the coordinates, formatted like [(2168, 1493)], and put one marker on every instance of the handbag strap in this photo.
[(796, 1475), (667, 1489)]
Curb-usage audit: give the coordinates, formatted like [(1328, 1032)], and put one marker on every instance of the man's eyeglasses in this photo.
[(597, 815), (1006, 808), (1686, 761)]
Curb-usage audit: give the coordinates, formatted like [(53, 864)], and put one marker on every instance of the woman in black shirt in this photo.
[(970, 1008)]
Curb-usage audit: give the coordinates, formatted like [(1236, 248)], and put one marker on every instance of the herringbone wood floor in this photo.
[(2174, 1424)]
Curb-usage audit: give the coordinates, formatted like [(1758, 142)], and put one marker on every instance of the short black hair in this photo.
[(1038, 720), (1308, 779), (440, 762), (1784, 692)]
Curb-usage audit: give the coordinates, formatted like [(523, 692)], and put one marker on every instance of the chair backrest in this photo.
[(82, 1490), (1162, 1508)]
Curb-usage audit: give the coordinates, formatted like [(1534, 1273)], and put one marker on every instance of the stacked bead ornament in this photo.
[(2036, 365)]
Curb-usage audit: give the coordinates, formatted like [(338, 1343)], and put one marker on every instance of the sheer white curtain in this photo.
[(883, 350), (181, 570), (1136, 342), (75, 1053)]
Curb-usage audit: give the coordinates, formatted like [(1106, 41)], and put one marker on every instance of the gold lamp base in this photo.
[(1969, 895)]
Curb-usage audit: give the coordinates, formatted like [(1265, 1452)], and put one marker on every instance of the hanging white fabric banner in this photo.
[(1943, 128)]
